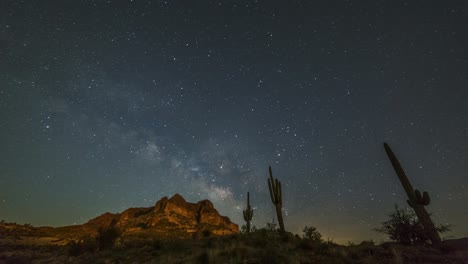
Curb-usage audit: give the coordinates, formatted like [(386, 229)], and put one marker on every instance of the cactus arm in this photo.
[(426, 200), (418, 195)]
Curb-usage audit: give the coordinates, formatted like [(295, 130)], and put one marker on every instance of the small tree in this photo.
[(404, 227), (311, 233)]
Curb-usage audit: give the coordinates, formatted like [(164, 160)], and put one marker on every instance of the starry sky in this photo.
[(106, 105)]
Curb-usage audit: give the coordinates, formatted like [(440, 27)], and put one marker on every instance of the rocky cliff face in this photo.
[(170, 217)]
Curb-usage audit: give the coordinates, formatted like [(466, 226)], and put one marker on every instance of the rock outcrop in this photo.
[(169, 218)]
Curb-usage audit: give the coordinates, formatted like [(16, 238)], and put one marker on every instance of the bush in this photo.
[(106, 237), (76, 248), (206, 233), (311, 233), (404, 227), (271, 226), (243, 230), (314, 245)]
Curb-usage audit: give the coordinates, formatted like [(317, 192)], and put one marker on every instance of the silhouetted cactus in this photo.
[(248, 213), (276, 198), (415, 199)]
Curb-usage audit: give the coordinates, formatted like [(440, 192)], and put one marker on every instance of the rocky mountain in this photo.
[(169, 218)]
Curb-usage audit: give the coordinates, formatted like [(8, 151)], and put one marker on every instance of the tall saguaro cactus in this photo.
[(276, 197), (416, 200), (248, 213)]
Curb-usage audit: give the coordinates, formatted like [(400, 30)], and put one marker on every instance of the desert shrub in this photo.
[(262, 238), (311, 233), (316, 246), (271, 226), (206, 233), (106, 237), (243, 230), (365, 249), (76, 248), (404, 227), (287, 237)]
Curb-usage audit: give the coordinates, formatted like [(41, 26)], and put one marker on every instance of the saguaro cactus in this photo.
[(416, 200), (248, 213), (276, 198)]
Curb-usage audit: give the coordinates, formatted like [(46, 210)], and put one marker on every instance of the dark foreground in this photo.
[(259, 247)]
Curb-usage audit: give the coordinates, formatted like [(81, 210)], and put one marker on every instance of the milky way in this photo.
[(106, 105)]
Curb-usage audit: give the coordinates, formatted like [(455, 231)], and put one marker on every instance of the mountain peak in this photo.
[(177, 198), (206, 204), (170, 217)]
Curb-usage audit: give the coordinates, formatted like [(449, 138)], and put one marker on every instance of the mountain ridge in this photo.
[(169, 218)]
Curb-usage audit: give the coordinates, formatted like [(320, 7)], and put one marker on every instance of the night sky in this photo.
[(106, 105)]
